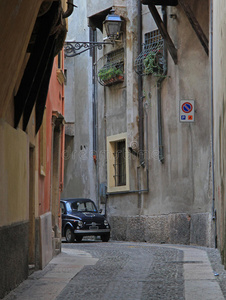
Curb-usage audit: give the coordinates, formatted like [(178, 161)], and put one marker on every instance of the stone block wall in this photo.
[(181, 228), (13, 256)]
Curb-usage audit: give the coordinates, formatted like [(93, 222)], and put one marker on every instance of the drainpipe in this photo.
[(211, 78), (159, 112), (140, 92), (70, 8), (93, 38), (159, 98), (212, 117), (147, 148)]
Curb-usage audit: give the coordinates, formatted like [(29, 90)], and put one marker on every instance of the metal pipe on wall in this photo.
[(159, 98), (214, 215), (159, 113), (140, 90)]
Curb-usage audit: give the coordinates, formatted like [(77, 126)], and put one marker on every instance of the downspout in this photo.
[(159, 112), (95, 112), (140, 92), (147, 148), (159, 98), (212, 120)]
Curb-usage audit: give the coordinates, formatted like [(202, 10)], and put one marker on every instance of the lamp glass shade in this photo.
[(112, 25)]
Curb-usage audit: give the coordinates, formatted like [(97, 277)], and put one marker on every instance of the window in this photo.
[(117, 163), (42, 145), (152, 60), (59, 60), (60, 74), (62, 208), (120, 163), (113, 70)]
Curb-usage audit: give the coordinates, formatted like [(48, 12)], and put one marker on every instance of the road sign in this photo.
[(187, 111)]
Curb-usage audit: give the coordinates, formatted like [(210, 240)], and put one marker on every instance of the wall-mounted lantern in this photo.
[(112, 25)]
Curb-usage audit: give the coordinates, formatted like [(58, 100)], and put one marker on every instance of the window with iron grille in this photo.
[(113, 70), (117, 163), (120, 163), (151, 60)]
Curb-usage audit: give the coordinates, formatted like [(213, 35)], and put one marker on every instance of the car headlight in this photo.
[(105, 222), (80, 223)]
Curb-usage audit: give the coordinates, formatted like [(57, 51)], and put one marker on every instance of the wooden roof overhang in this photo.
[(45, 43), (163, 30)]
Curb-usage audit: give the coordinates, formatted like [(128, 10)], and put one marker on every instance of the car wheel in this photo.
[(69, 235), (79, 238), (105, 237)]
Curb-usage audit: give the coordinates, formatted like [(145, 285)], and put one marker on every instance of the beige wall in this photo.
[(14, 23), (13, 175)]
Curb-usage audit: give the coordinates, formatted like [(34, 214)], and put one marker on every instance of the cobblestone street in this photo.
[(125, 270)]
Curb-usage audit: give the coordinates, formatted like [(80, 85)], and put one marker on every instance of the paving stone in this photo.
[(127, 270)]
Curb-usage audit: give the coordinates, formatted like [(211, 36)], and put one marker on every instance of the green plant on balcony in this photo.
[(110, 75), (154, 63), (151, 63)]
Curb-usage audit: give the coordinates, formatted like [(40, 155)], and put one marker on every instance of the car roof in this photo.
[(75, 199)]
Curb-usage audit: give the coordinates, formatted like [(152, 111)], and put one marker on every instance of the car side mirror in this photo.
[(100, 211)]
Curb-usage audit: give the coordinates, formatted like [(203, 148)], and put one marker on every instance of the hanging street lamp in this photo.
[(112, 25)]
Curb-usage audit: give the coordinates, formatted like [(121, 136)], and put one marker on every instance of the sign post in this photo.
[(187, 111)]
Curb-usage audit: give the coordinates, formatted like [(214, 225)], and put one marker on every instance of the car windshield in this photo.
[(81, 206)]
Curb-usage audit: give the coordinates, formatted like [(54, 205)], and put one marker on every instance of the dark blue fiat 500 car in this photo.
[(80, 217)]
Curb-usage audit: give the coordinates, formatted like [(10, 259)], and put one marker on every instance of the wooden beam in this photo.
[(163, 31), (195, 25), (160, 2), (38, 81), (43, 91), (45, 25)]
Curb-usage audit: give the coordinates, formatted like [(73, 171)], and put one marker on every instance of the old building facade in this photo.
[(32, 136), (218, 31), (134, 152)]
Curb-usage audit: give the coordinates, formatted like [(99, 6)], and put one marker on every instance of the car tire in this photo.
[(79, 238), (69, 235), (105, 238)]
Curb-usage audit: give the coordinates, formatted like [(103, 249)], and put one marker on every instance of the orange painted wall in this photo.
[(54, 103)]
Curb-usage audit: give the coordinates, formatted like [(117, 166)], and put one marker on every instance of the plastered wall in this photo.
[(14, 175), (219, 92)]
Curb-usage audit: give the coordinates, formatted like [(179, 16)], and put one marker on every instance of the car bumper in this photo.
[(92, 231)]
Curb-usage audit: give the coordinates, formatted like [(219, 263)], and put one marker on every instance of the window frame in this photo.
[(111, 164)]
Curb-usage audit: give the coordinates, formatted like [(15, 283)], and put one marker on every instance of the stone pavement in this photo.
[(199, 277), (124, 270), (49, 282)]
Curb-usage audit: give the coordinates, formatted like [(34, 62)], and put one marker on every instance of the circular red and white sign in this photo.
[(187, 107)]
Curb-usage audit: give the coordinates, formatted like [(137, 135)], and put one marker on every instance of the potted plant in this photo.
[(110, 75), (151, 63), (119, 74), (154, 63)]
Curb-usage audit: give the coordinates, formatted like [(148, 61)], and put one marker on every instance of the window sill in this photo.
[(60, 76), (121, 188), (42, 171)]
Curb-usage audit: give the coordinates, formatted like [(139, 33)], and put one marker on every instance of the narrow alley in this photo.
[(127, 270)]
